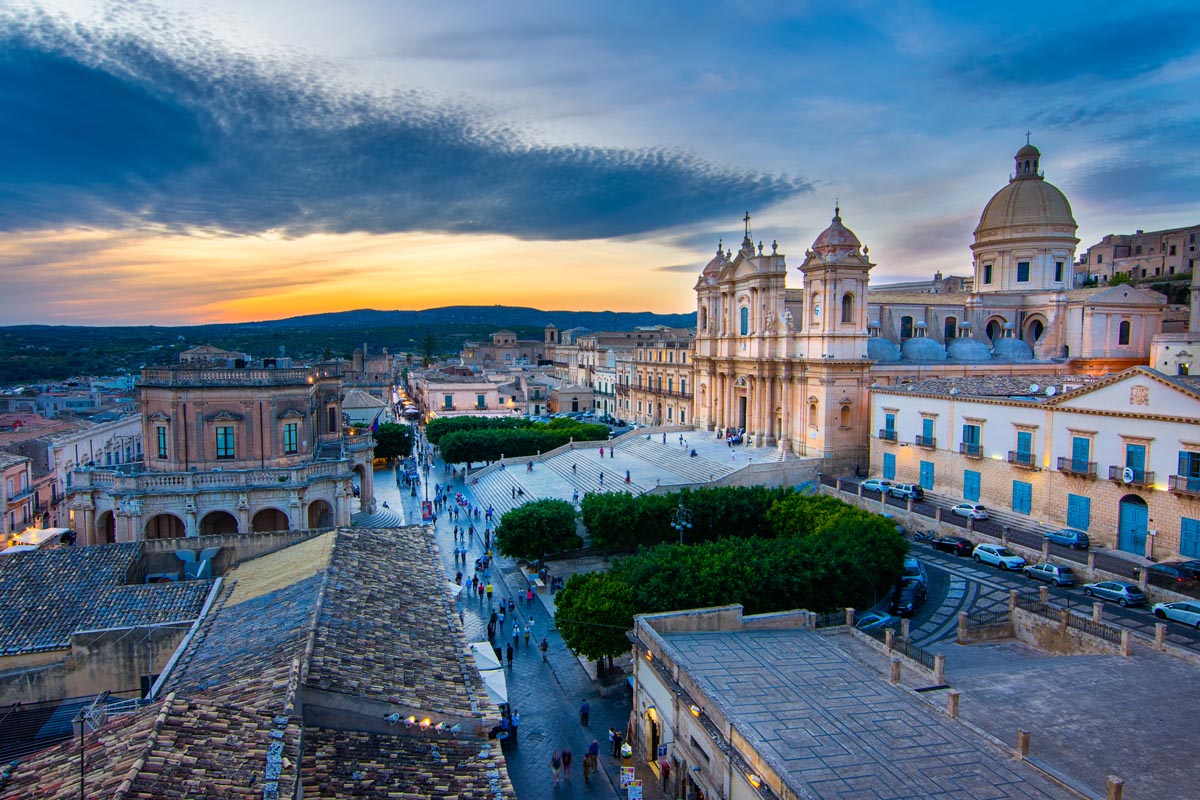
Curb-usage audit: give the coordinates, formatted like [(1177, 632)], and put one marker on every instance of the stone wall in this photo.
[(159, 554)]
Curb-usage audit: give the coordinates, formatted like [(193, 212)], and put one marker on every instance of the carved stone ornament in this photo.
[(1139, 396)]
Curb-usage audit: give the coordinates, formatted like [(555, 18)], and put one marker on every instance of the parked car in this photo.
[(906, 490), (997, 556), (915, 570), (1171, 574), (907, 597), (1187, 612), (1123, 592), (970, 511), (954, 544), (1069, 537), (1053, 574), (1192, 567), (876, 485), (875, 620)]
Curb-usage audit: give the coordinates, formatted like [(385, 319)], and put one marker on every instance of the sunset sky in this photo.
[(180, 162)]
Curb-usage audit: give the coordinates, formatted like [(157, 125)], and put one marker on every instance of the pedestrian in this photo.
[(480, 590), (612, 740), (514, 493), (617, 737), (509, 652), (567, 758), (516, 723), (544, 646), (681, 440), (585, 709), (502, 616), (664, 437), (529, 598), (512, 607), (601, 478), (489, 593), (516, 633), (612, 451), (574, 469), (602, 452), (528, 632), (626, 476), (575, 497)]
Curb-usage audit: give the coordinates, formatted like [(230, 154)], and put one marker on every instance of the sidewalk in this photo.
[(546, 695)]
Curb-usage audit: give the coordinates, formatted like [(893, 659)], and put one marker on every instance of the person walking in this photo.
[(516, 633), (567, 758), (617, 737), (585, 709), (555, 765), (509, 652), (601, 478), (529, 602), (612, 740), (627, 476), (489, 593), (544, 646), (528, 632), (516, 723)]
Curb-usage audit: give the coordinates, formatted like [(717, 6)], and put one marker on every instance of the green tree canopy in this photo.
[(593, 611), (537, 528), (393, 440)]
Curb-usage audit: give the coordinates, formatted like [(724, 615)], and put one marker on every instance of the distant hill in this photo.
[(499, 316)]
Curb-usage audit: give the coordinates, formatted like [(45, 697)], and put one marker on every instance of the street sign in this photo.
[(662, 751)]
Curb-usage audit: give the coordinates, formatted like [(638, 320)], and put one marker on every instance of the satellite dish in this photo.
[(1050, 391), (1127, 475), (1034, 388)]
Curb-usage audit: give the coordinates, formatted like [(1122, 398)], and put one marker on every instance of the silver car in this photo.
[(1052, 574), (1122, 592), (997, 556), (1187, 612)]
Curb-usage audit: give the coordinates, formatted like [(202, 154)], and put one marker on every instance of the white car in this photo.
[(969, 510), (1187, 612), (876, 485), (997, 556)]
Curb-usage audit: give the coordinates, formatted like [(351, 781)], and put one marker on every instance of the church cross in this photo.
[(1027, 135)]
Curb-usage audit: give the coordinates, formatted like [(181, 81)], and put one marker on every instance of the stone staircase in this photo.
[(586, 476), (676, 459)]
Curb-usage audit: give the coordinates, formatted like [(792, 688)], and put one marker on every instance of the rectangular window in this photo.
[(225, 442), (1189, 470), (889, 425), (1022, 272), (682, 386), (1022, 497), (1135, 459), (480, 401), (1081, 448), (1024, 446), (987, 273), (682, 416), (1058, 271), (291, 440), (971, 485), (161, 432), (970, 440), (1079, 511), (926, 474), (333, 419), (669, 410), (1189, 537), (889, 466), (448, 401)]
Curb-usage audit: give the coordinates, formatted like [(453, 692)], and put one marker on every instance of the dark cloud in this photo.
[(1105, 49), (110, 129), (687, 268)]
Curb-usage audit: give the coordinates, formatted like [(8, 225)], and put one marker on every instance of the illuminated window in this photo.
[(225, 442)]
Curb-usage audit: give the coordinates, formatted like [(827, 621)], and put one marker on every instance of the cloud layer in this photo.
[(115, 130)]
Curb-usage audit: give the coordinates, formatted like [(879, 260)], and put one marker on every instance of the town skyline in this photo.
[(182, 166)]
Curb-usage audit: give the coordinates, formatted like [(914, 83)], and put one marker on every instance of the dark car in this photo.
[(1190, 567), (954, 544), (1069, 537), (907, 597), (903, 491), (1123, 592), (1172, 575)]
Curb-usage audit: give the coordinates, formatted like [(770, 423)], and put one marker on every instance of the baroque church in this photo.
[(793, 366)]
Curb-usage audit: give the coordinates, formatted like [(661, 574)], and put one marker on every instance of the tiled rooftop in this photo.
[(385, 631), (9, 459), (339, 764), (832, 728), (1012, 386), (49, 594)]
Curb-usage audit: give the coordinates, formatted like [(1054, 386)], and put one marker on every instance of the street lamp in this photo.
[(681, 519)]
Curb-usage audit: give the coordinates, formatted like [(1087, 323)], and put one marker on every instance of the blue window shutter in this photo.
[(889, 466), (1079, 511), (926, 474), (971, 485), (1189, 537), (1080, 450), (1024, 444)]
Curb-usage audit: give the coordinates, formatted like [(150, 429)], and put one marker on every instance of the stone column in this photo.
[(785, 435)]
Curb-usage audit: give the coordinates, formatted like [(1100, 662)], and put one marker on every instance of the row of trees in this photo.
[(470, 439), (814, 552)]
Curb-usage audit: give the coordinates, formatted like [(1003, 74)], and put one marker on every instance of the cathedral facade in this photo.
[(792, 367)]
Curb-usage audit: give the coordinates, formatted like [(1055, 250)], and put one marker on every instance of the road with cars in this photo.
[(960, 584)]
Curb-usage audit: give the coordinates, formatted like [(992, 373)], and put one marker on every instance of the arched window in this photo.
[(845, 420), (906, 328), (950, 328), (744, 314), (703, 318), (1123, 332), (812, 415), (848, 307)]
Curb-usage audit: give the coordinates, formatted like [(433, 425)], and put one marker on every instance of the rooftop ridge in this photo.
[(147, 749), (310, 643)]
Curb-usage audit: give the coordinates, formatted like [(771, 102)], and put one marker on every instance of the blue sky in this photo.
[(259, 159)]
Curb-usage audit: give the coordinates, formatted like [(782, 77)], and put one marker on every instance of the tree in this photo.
[(429, 345), (393, 440), (594, 610), (535, 529)]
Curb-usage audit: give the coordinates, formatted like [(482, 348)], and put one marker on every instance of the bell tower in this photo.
[(836, 272)]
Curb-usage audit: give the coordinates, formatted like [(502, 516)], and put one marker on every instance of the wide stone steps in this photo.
[(677, 460)]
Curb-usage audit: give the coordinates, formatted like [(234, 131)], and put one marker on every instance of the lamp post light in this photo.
[(681, 519)]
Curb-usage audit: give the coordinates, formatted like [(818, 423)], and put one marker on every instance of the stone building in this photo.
[(1143, 254), (16, 489), (229, 450)]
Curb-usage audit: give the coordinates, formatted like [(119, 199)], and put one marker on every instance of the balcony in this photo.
[(1139, 477), (214, 480), (929, 442), (887, 434), (1185, 485), (1078, 467), (21, 496), (1022, 460), (971, 449)]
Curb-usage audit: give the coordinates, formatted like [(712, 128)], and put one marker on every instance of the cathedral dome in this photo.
[(1011, 349), (1027, 200), (880, 349), (965, 348), (837, 241), (713, 268), (922, 348)]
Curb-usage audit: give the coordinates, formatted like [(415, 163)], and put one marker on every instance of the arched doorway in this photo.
[(216, 523), (995, 329), (320, 514), (269, 519), (1034, 328), (106, 528), (165, 526), (1134, 518)]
